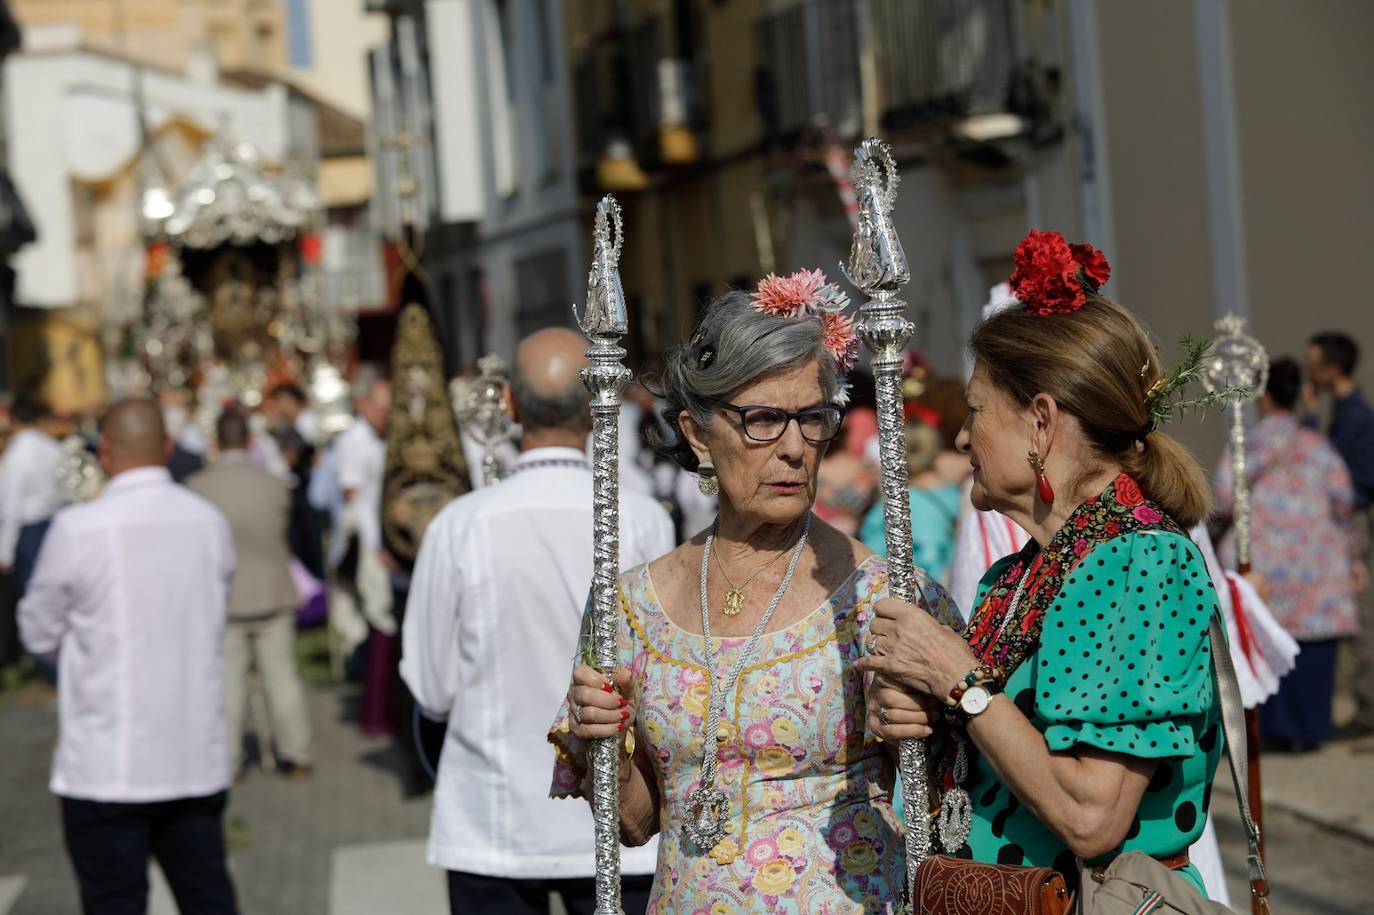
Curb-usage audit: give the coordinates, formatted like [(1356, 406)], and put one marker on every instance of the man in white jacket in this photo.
[(129, 594), (491, 625)]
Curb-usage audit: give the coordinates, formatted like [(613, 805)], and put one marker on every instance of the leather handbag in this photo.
[(955, 886), (1130, 884)]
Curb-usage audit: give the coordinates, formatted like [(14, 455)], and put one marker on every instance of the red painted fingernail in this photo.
[(624, 714), (606, 687), (620, 727), (624, 702)]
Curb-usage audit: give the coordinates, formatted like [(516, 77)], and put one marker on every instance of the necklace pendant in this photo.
[(734, 602), (955, 821), (705, 821)]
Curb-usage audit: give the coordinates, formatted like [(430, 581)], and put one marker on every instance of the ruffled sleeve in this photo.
[(570, 762), (1124, 662)]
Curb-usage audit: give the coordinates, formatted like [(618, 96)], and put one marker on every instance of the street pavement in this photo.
[(348, 842)]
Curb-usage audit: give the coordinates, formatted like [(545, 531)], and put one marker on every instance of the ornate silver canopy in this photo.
[(229, 199)]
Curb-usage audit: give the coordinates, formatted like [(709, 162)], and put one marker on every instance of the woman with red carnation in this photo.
[(1079, 706)]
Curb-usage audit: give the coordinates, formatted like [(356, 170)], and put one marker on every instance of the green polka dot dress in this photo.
[(1123, 665)]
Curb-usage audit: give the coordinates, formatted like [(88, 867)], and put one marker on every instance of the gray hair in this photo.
[(566, 408), (734, 344)]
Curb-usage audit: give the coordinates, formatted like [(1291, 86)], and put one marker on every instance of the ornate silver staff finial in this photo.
[(878, 266), (605, 314), (877, 262), (604, 322), (480, 407), (1237, 361)]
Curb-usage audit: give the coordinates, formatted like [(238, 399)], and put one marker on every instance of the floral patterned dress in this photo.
[(810, 821)]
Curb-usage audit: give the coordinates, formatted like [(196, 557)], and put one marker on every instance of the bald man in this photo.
[(129, 595), (492, 621)]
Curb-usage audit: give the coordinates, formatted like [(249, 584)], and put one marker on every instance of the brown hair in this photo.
[(1098, 363), (946, 397)]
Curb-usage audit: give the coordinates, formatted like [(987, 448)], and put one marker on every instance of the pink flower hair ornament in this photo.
[(807, 293)]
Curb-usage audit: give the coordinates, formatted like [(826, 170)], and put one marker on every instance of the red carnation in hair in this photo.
[(1052, 276), (1096, 270), (1046, 275)]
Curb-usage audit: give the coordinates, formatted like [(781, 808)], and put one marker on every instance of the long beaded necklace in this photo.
[(956, 809), (705, 821)]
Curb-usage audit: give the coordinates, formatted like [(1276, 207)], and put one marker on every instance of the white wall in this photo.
[(71, 116)]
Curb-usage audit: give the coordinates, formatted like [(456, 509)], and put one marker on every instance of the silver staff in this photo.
[(604, 322), (878, 266), (1238, 361), (480, 408)]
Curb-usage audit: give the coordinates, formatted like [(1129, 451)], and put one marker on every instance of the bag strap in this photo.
[(1233, 727)]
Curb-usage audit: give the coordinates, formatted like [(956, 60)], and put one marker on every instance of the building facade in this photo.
[(1165, 134)]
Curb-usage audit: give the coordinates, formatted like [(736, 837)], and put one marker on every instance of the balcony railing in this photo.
[(934, 61), (808, 65), (938, 59)]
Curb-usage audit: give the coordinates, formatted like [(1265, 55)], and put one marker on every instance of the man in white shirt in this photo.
[(490, 628), (363, 592), (129, 594), (29, 492)]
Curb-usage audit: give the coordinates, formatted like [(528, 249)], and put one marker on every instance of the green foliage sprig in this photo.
[(1168, 398)]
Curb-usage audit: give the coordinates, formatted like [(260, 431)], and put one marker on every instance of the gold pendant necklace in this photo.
[(734, 597)]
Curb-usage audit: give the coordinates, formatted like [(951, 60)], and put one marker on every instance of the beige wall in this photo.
[(243, 33), (1305, 119), (1158, 194), (1303, 90), (340, 36)]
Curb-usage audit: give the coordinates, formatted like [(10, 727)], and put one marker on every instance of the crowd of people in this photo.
[(1058, 649)]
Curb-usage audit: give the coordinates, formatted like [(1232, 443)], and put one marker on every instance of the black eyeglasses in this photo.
[(767, 424)]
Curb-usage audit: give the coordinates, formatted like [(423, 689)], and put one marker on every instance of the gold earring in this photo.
[(707, 481)]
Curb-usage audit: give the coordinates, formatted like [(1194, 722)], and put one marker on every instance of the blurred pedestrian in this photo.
[(184, 459), (296, 428), (361, 598), (129, 594), (290, 410), (486, 643), (935, 500), (29, 492), (1331, 361), (845, 487), (261, 631), (1302, 542)]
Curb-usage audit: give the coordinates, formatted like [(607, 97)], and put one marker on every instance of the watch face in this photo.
[(975, 700)]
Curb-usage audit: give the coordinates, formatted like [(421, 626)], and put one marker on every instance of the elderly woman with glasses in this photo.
[(737, 696)]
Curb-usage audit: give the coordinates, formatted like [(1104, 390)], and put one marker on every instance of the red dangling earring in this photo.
[(1042, 483)]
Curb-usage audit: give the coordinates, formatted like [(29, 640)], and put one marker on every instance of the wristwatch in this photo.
[(972, 695), (976, 699)]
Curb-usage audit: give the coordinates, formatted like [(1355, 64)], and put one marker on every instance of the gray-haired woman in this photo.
[(742, 713)]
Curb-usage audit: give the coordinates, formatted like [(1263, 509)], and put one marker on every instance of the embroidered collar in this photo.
[(995, 639)]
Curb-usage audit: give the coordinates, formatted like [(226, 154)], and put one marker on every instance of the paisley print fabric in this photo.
[(811, 827), (1302, 527)]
